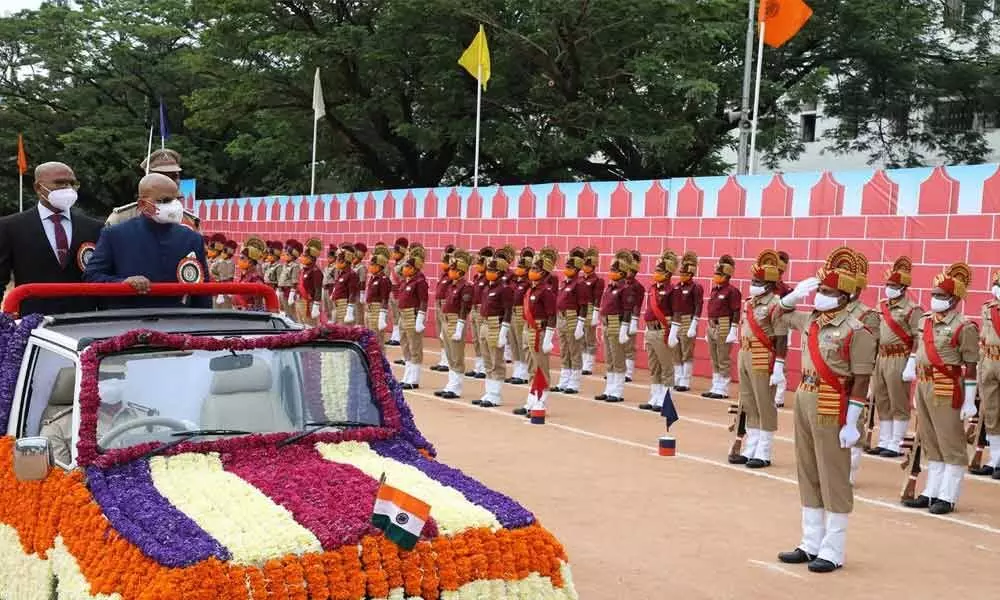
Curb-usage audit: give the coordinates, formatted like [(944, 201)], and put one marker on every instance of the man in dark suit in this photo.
[(49, 243), (151, 248)]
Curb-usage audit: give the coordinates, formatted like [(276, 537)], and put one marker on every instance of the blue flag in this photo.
[(669, 411), (163, 122)]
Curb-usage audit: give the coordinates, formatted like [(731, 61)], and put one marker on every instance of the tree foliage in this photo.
[(581, 89)]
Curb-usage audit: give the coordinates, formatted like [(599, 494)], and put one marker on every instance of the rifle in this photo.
[(911, 462), (868, 418), (979, 439), (972, 431), (738, 426)]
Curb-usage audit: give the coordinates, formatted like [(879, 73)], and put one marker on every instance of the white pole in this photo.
[(149, 147), (741, 157), (163, 142), (312, 184), (20, 192), (752, 162), (479, 104)]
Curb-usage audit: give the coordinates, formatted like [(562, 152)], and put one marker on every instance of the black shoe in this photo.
[(890, 454), (520, 411), (488, 405), (410, 386), (738, 459), (570, 392), (821, 565), (601, 397), (439, 393), (984, 470), (920, 501), (555, 388), (449, 395), (480, 375), (519, 381), (681, 388), (509, 362), (796, 557), (614, 399), (996, 474), (399, 362), (392, 343), (646, 406), (628, 379), (876, 451), (477, 402), (470, 374), (942, 507), (722, 396), (586, 372), (440, 368), (709, 395), (509, 380), (757, 463)]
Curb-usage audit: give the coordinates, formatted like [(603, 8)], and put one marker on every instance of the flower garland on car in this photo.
[(13, 340)]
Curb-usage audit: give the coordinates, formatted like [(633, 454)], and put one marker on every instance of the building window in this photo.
[(954, 10), (807, 123), (952, 116)]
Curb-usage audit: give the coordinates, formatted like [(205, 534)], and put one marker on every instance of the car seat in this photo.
[(245, 399)]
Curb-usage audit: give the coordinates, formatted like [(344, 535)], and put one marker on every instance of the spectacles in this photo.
[(58, 184), (168, 199)]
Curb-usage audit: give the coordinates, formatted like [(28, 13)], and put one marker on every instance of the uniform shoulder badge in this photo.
[(189, 270), (84, 254)]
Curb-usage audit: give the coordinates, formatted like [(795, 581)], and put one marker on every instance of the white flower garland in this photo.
[(72, 584), (335, 371), (22, 576), (452, 511), (238, 515)]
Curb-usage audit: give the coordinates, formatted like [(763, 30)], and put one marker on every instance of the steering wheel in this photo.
[(116, 432)]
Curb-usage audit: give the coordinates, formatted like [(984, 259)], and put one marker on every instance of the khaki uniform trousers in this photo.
[(824, 468), (475, 321), (988, 374), (684, 351), (371, 322), (303, 311), (614, 351), (629, 348), (338, 312), (411, 342), (536, 358), (718, 349), (442, 331), (516, 336), (892, 394), (659, 356), (453, 351), (570, 348), (942, 434), (493, 361), (757, 395), (393, 310), (590, 336)]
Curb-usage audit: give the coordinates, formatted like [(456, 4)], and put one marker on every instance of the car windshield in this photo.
[(151, 395)]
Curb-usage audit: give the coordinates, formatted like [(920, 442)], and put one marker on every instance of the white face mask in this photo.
[(62, 199), (171, 212), (893, 293), (758, 290), (996, 292), (939, 305), (823, 303)]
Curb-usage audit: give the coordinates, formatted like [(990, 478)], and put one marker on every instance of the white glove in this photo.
[(291, 296), (383, 322), (595, 317), (578, 334), (733, 335), (849, 434), (778, 375), (459, 331), (871, 390), (547, 340), (220, 299), (502, 342), (421, 317), (801, 292), (693, 329), (910, 370), (349, 317), (672, 339), (315, 310), (633, 326), (968, 403), (623, 335), (364, 297)]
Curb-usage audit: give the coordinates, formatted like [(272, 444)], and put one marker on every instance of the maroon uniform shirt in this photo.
[(310, 283), (574, 294), (379, 287), (542, 301), (640, 296), (725, 301), (596, 284), (413, 292), (457, 298), (478, 284), (686, 298), (520, 285), (659, 293), (618, 299), (498, 298), (345, 286)]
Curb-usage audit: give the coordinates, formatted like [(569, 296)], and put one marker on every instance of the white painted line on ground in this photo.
[(892, 506), (774, 568)]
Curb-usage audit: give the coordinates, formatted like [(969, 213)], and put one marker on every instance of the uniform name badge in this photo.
[(189, 271), (84, 254)]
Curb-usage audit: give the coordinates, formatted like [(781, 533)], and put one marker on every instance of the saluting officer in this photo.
[(864, 313), (617, 305), (595, 282), (572, 304), (412, 301), (399, 249), (454, 302), (377, 292), (495, 311), (520, 285), (989, 379), (686, 304), (539, 329), (723, 324), (658, 316), (440, 289)]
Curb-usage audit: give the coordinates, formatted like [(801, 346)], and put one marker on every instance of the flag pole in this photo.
[(741, 158), (479, 104), (20, 191), (149, 147), (312, 184), (756, 104)]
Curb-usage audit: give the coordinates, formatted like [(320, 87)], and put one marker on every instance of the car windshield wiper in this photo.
[(183, 436), (318, 425)]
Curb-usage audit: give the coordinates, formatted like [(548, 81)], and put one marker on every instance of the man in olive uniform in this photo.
[(900, 321), (686, 300), (864, 313), (658, 315), (454, 302), (989, 379), (781, 289), (723, 308), (944, 365), (763, 346), (223, 270), (288, 276), (838, 357)]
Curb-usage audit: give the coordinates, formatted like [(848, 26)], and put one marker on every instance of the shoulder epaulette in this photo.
[(125, 207)]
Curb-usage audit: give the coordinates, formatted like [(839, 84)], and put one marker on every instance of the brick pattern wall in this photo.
[(935, 216)]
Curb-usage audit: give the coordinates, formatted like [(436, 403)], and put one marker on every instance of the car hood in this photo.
[(255, 504)]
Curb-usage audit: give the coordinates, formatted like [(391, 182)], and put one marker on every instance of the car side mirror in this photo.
[(32, 458)]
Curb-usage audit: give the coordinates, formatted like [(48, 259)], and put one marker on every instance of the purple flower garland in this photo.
[(13, 340), (136, 509), (510, 514)]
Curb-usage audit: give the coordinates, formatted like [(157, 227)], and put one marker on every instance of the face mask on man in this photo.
[(169, 213), (940, 304), (824, 303), (892, 292), (758, 290), (62, 199), (996, 292)]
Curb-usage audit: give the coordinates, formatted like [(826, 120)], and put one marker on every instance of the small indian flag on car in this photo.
[(399, 515)]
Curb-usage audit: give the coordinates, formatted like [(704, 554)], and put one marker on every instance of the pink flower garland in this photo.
[(392, 420)]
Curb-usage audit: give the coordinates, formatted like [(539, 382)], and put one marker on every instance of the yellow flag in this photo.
[(476, 58)]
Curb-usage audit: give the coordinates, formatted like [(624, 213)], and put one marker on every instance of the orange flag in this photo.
[(782, 19), (22, 159)]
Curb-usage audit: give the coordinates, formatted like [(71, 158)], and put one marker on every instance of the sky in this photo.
[(16, 5)]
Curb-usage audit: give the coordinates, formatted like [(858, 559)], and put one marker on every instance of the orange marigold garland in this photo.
[(391, 563), (257, 583), (274, 572), (430, 584), (357, 579), (295, 579), (378, 582), (412, 571), (316, 579)]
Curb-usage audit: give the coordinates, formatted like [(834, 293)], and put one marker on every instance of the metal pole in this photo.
[(756, 105), (741, 168), (149, 147), (479, 104), (20, 192), (312, 184)]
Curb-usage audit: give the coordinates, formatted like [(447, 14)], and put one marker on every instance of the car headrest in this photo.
[(62, 389), (255, 378)]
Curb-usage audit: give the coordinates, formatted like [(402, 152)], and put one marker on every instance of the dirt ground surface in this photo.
[(640, 526)]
